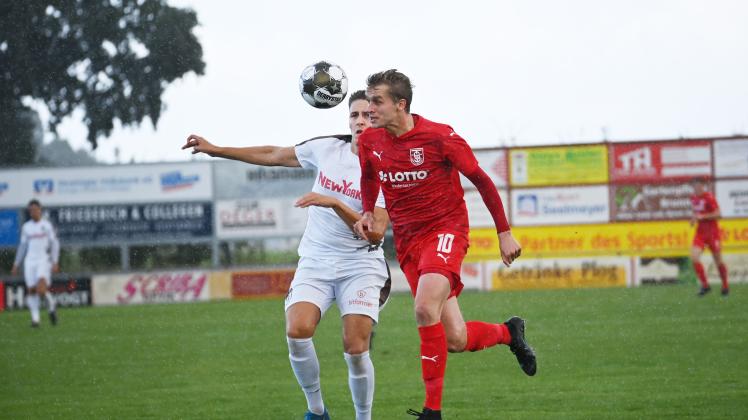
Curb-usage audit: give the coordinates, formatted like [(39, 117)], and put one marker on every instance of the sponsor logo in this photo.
[(3, 187), (639, 160), (345, 188), (432, 358), (403, 176), (442, 257), (175, 180), (361, 294), (416, 156), (527, 205), (166, 287), (378, 154), (44, 186)]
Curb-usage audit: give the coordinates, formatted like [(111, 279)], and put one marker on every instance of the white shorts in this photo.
[(354, 284), (33, 271)]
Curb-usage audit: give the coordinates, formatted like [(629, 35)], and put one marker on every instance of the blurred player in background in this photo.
[(39, 250), (705, 215), (416, 163), (334, 264)]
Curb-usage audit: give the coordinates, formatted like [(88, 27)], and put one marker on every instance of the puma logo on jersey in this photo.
[(442, 257), (452, 134), (378, 155), (433, 359)]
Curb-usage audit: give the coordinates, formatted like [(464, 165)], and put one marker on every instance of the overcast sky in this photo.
[(500, 72)]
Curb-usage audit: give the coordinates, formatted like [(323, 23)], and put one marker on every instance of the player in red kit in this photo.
[(417, 163), (705, 215)]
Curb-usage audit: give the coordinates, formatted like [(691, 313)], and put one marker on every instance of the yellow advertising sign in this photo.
[(672, 238), (561, 273), (559, 165)]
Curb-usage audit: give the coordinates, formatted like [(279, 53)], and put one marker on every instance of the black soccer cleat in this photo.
[(426, 414), (53, 317), (34, 324), (725, 292), (524, 353), (703, 291)]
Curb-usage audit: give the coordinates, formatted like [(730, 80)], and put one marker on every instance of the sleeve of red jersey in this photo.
[(712, 202), (369, 180), (461, 155)]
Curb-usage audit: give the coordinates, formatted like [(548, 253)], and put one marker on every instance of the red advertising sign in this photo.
[(250, 284), (660, 161), (175, 286)]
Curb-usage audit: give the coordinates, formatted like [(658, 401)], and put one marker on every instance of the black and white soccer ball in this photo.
[(323, 84)]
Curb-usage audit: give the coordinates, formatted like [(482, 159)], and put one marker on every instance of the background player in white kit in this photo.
[(40, 251), (334, 264)]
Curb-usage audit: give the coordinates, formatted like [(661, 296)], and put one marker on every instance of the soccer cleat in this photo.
[(725, 292), (53, 317), (311, 416), (524, 353), (34, 324), (426, 414), (703, 291)]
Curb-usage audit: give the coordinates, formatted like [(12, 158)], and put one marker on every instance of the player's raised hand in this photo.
[(363, 226), (510, 249), (314, 199), (199, 144)]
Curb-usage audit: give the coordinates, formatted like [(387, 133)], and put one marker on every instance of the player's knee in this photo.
[(355, 345), (426, 314), (300, 330)]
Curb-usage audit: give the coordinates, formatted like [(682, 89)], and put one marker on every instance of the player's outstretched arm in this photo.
[(347, 214), (257, 155)]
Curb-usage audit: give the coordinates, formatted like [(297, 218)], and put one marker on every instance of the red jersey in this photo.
[(702, 204), (418, 174)]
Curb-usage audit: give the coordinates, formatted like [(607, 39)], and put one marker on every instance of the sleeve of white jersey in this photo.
[(23, 246), (380, 200), (306, 156), (54, 244)]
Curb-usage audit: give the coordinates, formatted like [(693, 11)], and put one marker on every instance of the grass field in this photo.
[(650, 352)]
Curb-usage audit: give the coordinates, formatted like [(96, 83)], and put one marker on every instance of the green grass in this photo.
[(651, 352)]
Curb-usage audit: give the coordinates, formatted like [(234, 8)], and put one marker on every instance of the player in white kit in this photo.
[(334, 264), (39, 250)]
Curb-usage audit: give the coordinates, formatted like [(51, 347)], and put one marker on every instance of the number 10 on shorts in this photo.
[(445, 242)]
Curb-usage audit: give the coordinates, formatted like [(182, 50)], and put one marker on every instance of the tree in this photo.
[(110, 58), (19, 134)]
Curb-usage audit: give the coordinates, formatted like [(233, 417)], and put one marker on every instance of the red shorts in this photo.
[(438, 252), (711, 241)]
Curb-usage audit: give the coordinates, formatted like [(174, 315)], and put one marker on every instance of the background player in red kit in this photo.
[(705, 215), (416, 163)]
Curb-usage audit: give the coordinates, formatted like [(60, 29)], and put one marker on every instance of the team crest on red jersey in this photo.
[(416, 156)]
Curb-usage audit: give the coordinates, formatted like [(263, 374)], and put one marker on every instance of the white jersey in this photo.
[(338, 175), (38, 243)]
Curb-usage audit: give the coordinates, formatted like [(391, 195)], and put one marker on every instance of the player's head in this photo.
[(358, 113), (390, 94), (699, 185), (35, 209)]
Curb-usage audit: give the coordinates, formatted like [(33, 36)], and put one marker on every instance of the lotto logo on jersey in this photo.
[(402, 176)]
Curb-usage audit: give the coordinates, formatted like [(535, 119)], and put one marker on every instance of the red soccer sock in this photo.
[(433, 363), (699, 268), (723, 275), (482, 335)]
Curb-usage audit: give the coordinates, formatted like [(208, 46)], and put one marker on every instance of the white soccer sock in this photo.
[(306, 368), (33, 302), (361, 382), (51, 302)]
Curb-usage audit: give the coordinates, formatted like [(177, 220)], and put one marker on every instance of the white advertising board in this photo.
[(732, 197), (478, 213), (107, 184), (554, 206), (256, 218), (493, 162), (163, 287), (731, 158)]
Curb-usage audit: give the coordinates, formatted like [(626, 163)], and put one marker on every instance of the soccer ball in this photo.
[(323, 85)]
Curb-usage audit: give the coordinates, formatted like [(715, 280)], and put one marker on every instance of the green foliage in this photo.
[(112, 59), (649, 352), (17, 131)]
